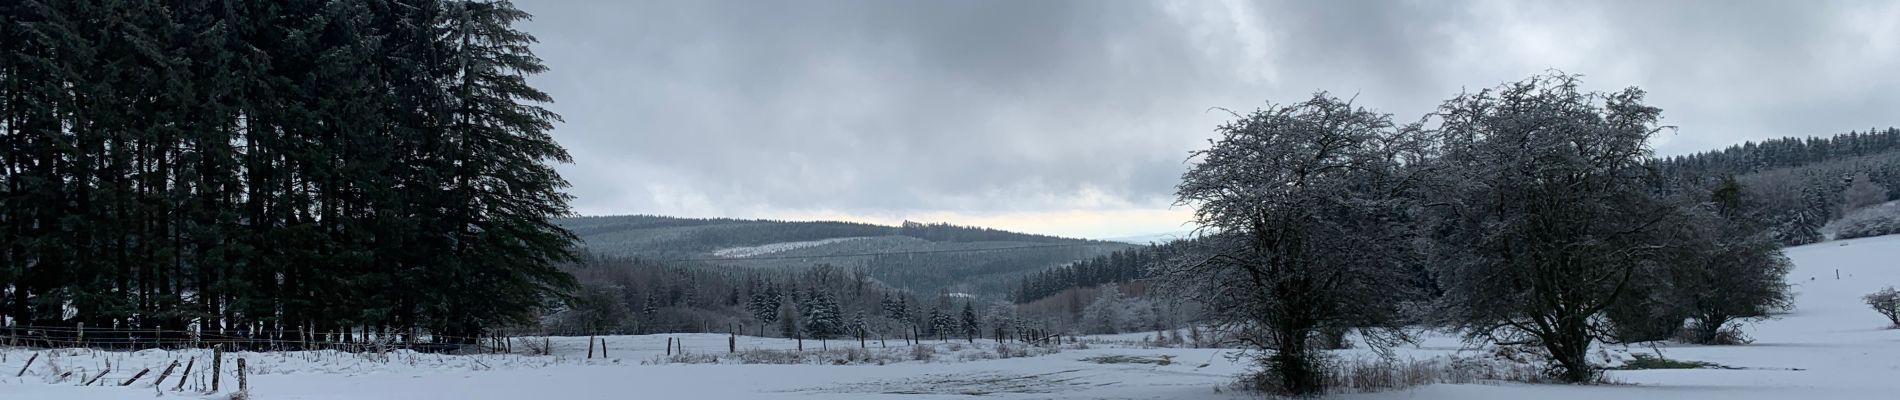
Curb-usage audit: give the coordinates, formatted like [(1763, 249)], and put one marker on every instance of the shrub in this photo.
[(1645, 361), (1727, 335), (843, 356), (1887, 302), (1127, 359), (1872, 221), (689, 358), (537, 348), (923, 352), (1366, 375)]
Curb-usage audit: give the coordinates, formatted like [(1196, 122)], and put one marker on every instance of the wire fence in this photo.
[(206, 373), (249, 339), (356, 340)]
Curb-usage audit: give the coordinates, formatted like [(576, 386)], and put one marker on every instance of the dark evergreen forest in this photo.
[(273, 170)]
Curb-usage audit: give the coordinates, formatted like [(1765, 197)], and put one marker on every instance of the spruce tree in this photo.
[(822, 317), (969, 325), (276, 168), (501, 190)]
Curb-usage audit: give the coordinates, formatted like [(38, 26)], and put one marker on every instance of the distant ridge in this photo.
[(913, 255), (1152, 238)]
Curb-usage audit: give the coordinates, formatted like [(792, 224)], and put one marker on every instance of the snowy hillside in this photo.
[(1831, 346), (968, 259), (751, 251), (1152, 238)]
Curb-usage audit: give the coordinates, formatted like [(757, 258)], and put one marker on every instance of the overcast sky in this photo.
[(1075, 117)]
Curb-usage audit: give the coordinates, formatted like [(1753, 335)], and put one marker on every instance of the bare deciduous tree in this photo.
[(1887, 302), (1737, 271), (1308, 231), (1542, 213)]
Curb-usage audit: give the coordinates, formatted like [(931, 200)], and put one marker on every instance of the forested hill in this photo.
[(1801, 185), (1788, 152), (916, 256)]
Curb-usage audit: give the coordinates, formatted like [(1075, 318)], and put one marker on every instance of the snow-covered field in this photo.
[(1830, 347), (639, 365)]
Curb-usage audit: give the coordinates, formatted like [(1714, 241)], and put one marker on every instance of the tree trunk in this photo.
[(1709, 327), (1570, 347), (1293, 363)]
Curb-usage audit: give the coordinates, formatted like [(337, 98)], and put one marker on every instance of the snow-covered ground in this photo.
[(1831, 347), (639, 365)]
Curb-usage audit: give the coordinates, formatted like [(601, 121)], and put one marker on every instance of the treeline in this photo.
[(912, 256), (622, 295), (945, 232), (1118, 267), (272, 170), (985, 270), (649, 236), (671, 237), (1801, 184), (1752, 157)]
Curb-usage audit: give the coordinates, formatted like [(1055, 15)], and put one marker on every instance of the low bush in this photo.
[(1367, 375), (1887, 302), (923, 352), (1127, 359), (537, 348), (1645, 361), (1727, 335), (1872, 221)]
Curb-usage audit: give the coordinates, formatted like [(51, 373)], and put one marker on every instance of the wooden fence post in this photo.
[(603, 347), (244, 385), (166, 374), (590, 347), (217, 366), (183, 377), (102, 374), (141, 374), (29, 363), (732, 343)]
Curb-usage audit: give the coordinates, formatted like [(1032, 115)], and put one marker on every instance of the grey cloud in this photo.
[(751, 108)]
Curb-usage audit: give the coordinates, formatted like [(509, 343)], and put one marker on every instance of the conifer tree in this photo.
[(276, 168), (969, 325)]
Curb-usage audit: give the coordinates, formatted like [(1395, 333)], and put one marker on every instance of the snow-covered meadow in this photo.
[(1830, 346), (641, 364)]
